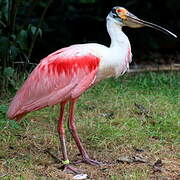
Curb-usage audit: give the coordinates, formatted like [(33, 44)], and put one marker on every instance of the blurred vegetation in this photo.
[(30, 30), (20, 26)]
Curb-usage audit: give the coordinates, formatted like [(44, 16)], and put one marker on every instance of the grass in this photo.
[(113, 119)]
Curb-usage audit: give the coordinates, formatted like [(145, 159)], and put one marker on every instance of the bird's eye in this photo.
[(114, 13), (118, 10)]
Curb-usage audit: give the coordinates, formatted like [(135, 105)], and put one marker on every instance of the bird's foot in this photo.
[(68, 168), (89, 161)]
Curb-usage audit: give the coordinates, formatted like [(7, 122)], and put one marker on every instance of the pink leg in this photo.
[(74, 133), (61, 132)]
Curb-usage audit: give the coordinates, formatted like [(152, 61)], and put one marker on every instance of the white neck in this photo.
[(116, 58), (118, 38)]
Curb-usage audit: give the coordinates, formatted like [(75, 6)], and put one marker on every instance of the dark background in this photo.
[(76, 22)]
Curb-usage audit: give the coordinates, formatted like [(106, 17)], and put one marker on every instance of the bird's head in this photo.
[(124, 18)]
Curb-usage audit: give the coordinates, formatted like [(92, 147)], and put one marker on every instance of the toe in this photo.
[(70, 169)]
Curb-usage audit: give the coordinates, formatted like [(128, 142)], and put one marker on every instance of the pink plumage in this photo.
[(61, 76)]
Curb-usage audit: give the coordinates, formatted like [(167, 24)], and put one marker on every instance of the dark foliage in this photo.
[(81, 21)]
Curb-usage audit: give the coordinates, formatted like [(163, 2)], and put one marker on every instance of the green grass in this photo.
[(134, 111)]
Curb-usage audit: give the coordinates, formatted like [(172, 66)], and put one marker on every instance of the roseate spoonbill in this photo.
[(64, 75)]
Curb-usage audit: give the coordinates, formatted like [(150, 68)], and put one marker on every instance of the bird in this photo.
[(64, 75)]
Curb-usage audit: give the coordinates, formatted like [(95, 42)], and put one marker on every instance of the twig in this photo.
[(57, 160), (37, 28), (29, 13), (13, 13)]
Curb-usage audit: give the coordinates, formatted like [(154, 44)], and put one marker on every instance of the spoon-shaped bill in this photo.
[(133, 21)]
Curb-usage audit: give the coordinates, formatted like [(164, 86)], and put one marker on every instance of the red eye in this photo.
[(119, 10)]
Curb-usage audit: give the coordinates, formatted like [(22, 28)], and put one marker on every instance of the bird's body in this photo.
[(64, 75), (68, 72)]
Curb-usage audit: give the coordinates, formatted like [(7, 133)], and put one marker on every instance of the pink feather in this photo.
[(61, 76)]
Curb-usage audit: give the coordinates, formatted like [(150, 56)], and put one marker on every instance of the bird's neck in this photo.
[(118, 38)]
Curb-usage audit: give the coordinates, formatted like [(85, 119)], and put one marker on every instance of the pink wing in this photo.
[(61, 76)]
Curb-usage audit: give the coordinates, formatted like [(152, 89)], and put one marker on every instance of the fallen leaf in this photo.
[(158, 163), (140, 159), (124, 159), (107, 115), (137, 159), (157, 166), (138, 150)]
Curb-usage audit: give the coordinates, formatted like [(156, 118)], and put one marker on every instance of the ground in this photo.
[(131, 122)]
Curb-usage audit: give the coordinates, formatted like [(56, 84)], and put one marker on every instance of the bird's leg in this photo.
[(61, 131), (73, 130)]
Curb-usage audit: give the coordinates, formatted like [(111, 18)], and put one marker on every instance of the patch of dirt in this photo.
[(126, 161), (164, 168)]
